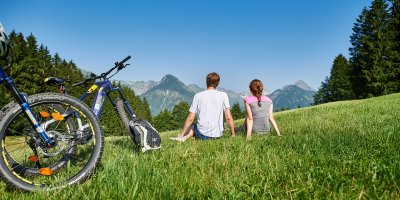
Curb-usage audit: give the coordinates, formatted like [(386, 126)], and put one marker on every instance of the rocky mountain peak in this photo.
[(169, 78), (303, 85)]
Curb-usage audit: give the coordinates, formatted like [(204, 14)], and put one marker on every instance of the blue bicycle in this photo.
[(141, 132), (104, 86), (48, 140)]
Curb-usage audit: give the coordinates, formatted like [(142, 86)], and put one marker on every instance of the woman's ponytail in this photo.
[(256, 88)]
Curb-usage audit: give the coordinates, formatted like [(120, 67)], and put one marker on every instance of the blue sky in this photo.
[(278, 42)]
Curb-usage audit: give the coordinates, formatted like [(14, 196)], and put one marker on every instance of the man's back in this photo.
[(209, 105)]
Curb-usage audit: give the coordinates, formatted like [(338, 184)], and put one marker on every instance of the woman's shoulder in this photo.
[(254, 99), (250, 99), (266, 99)]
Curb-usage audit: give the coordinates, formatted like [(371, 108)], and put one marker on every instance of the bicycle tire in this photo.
[(79, 165), (62, 161), (123, 113)]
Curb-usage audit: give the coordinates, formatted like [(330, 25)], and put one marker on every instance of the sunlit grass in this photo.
[(342, 150)]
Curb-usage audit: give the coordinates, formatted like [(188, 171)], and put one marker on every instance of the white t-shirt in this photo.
[(209, 106)]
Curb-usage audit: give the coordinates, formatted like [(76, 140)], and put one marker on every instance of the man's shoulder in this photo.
[(199, 94), (224, 94), (207, 93), (221, 94)]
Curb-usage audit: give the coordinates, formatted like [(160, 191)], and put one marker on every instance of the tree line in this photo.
[(29, 64), (373, 68)]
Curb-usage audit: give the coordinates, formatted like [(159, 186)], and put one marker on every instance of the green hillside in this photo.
[(342, 150)]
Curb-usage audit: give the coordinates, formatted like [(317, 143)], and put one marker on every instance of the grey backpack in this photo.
[(144, 135)]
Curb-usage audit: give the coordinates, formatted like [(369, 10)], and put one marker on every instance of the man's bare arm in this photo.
[(229, 121), (188, 124)]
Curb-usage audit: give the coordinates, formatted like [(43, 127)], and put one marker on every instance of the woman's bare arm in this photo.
[(249, 120), (271, 118)]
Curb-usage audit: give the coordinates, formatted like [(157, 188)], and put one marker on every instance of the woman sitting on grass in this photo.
[(259, 111)]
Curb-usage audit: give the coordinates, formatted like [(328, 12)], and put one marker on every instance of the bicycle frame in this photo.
[(105, 88), (22, 101)]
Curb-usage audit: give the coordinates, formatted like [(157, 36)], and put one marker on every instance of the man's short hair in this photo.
[(212, 80)]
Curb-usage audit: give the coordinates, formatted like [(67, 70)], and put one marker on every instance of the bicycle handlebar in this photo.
[(124, 60), (120, 65)]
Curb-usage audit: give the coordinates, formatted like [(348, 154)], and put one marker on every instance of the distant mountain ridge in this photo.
[(293, 96), (303, 85), (170, 91), (167, 93), (139, 87)]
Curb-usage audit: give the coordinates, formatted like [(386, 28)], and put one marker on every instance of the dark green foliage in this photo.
[(31, 64), (145, 108), (374, 65), (180, 113), (165, 121), (237, 113), (338, 86), (323, 94), (373, 50), (394, 29), (283, 108), (339, 82)]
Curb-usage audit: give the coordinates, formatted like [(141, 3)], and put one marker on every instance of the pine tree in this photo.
[(44, 57), (27, 74), (236, 111), (323, 94), (165, 121), (31, 46), (146, 110), (371, 46), (18, 47), (339, 82), (395, 37), (180, 113)]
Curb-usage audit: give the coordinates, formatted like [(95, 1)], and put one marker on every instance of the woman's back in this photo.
[(260, 112)]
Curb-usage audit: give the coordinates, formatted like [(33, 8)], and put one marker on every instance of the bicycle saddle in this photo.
[(54, 81)]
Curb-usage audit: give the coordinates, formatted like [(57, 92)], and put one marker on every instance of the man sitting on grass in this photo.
[(209, 106)]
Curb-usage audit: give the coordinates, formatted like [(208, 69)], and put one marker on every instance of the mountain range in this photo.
[(168, 92), (293, 96)]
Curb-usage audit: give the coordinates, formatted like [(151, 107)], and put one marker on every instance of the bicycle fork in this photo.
[(23, 102)]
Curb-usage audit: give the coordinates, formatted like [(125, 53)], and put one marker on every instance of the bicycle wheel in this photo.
[(123, 113), (27, 164), (62, 161)]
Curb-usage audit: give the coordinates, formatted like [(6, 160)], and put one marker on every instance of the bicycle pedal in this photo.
[(86, 139)]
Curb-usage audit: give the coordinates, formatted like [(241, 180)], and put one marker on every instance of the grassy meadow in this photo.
[(341, 150)]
